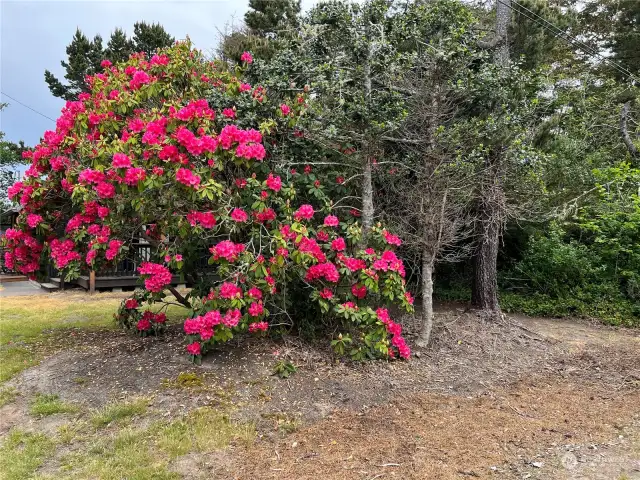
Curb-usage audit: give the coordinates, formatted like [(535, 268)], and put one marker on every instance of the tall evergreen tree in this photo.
[(84, 56), (148, 37), (266, 22), (119, 46)]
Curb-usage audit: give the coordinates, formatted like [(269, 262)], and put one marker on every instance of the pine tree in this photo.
[(268, 16), (148, 38), (266, 22), (84, 56), (119, 47)]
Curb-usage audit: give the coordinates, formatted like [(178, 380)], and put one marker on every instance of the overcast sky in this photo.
[(34, 35)]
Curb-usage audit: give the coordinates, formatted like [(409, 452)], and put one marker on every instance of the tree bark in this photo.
[(427, 299), (503, 18), (484, 294), (624, 130), (367, 178)]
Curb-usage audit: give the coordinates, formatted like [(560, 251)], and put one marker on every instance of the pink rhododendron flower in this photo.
[(232, 318), (258, 327), (34, 220), (391, 239), (305, 211), (239, 215), (285, 109), (131, 303), (229, 113), (227, 250), (326, 294), (322, 236), (254, 293), (256, 309), (331, 221), (134, 175), (274, 182), (246, 58), (113, 249), (105, 63), (187, 177), (103, 212), (339, 245), (158, 276), (194, 348), (143, 325), (328, 271), (120, 160), (409, 298), (359, 291), (105, 190)]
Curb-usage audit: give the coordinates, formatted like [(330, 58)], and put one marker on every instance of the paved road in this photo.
[(20, 289)]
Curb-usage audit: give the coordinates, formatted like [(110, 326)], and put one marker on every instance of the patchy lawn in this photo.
[(32, 327), (537, 398)]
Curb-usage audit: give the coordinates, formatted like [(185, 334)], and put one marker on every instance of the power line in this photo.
[(572, 40), (27, 106)]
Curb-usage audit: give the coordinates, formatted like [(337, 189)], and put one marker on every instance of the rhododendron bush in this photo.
[(163, 151)]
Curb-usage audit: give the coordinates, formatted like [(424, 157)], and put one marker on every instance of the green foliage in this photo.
[(84, 56), (10, 158), (44, 405), (284, 369), (22, 453), (119, 411)]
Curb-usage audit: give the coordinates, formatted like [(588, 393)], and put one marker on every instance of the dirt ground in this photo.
[(516, 399)]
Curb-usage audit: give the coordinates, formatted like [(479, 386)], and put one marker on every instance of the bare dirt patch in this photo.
[(531, 398)]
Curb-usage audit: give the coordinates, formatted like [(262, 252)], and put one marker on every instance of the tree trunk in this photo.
[(427, 299), (367, 199), (484, 295), (491, 209), (367, 180), (503, 18), (624, 114)]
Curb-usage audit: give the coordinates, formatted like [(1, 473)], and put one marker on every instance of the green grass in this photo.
[(119, 411), (7, 395), (31, 327), (22, 453), (44, 405), (146, 453), (201, 430)]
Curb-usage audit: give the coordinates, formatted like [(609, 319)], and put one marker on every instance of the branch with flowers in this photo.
[(178, 152)]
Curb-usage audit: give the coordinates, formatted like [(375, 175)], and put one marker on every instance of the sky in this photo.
[(34, 35)]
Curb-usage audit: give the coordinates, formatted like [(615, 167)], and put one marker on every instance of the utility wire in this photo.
[(27, 106), (561, 33)]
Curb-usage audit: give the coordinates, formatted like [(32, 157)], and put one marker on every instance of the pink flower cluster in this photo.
[(305, 211), (120, 160), (63, 252), (328, 271), (258, 327), (331, 221), (239, 215), (394, 329), (310, 247), (158, 276), (34, 220), (187, 177), (195, 109), (391, 239), (227, 250), (149, 319), (205, 219), (389, 261), (113, 249)]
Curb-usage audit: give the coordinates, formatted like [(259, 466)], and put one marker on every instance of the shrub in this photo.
[(145, 157)]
